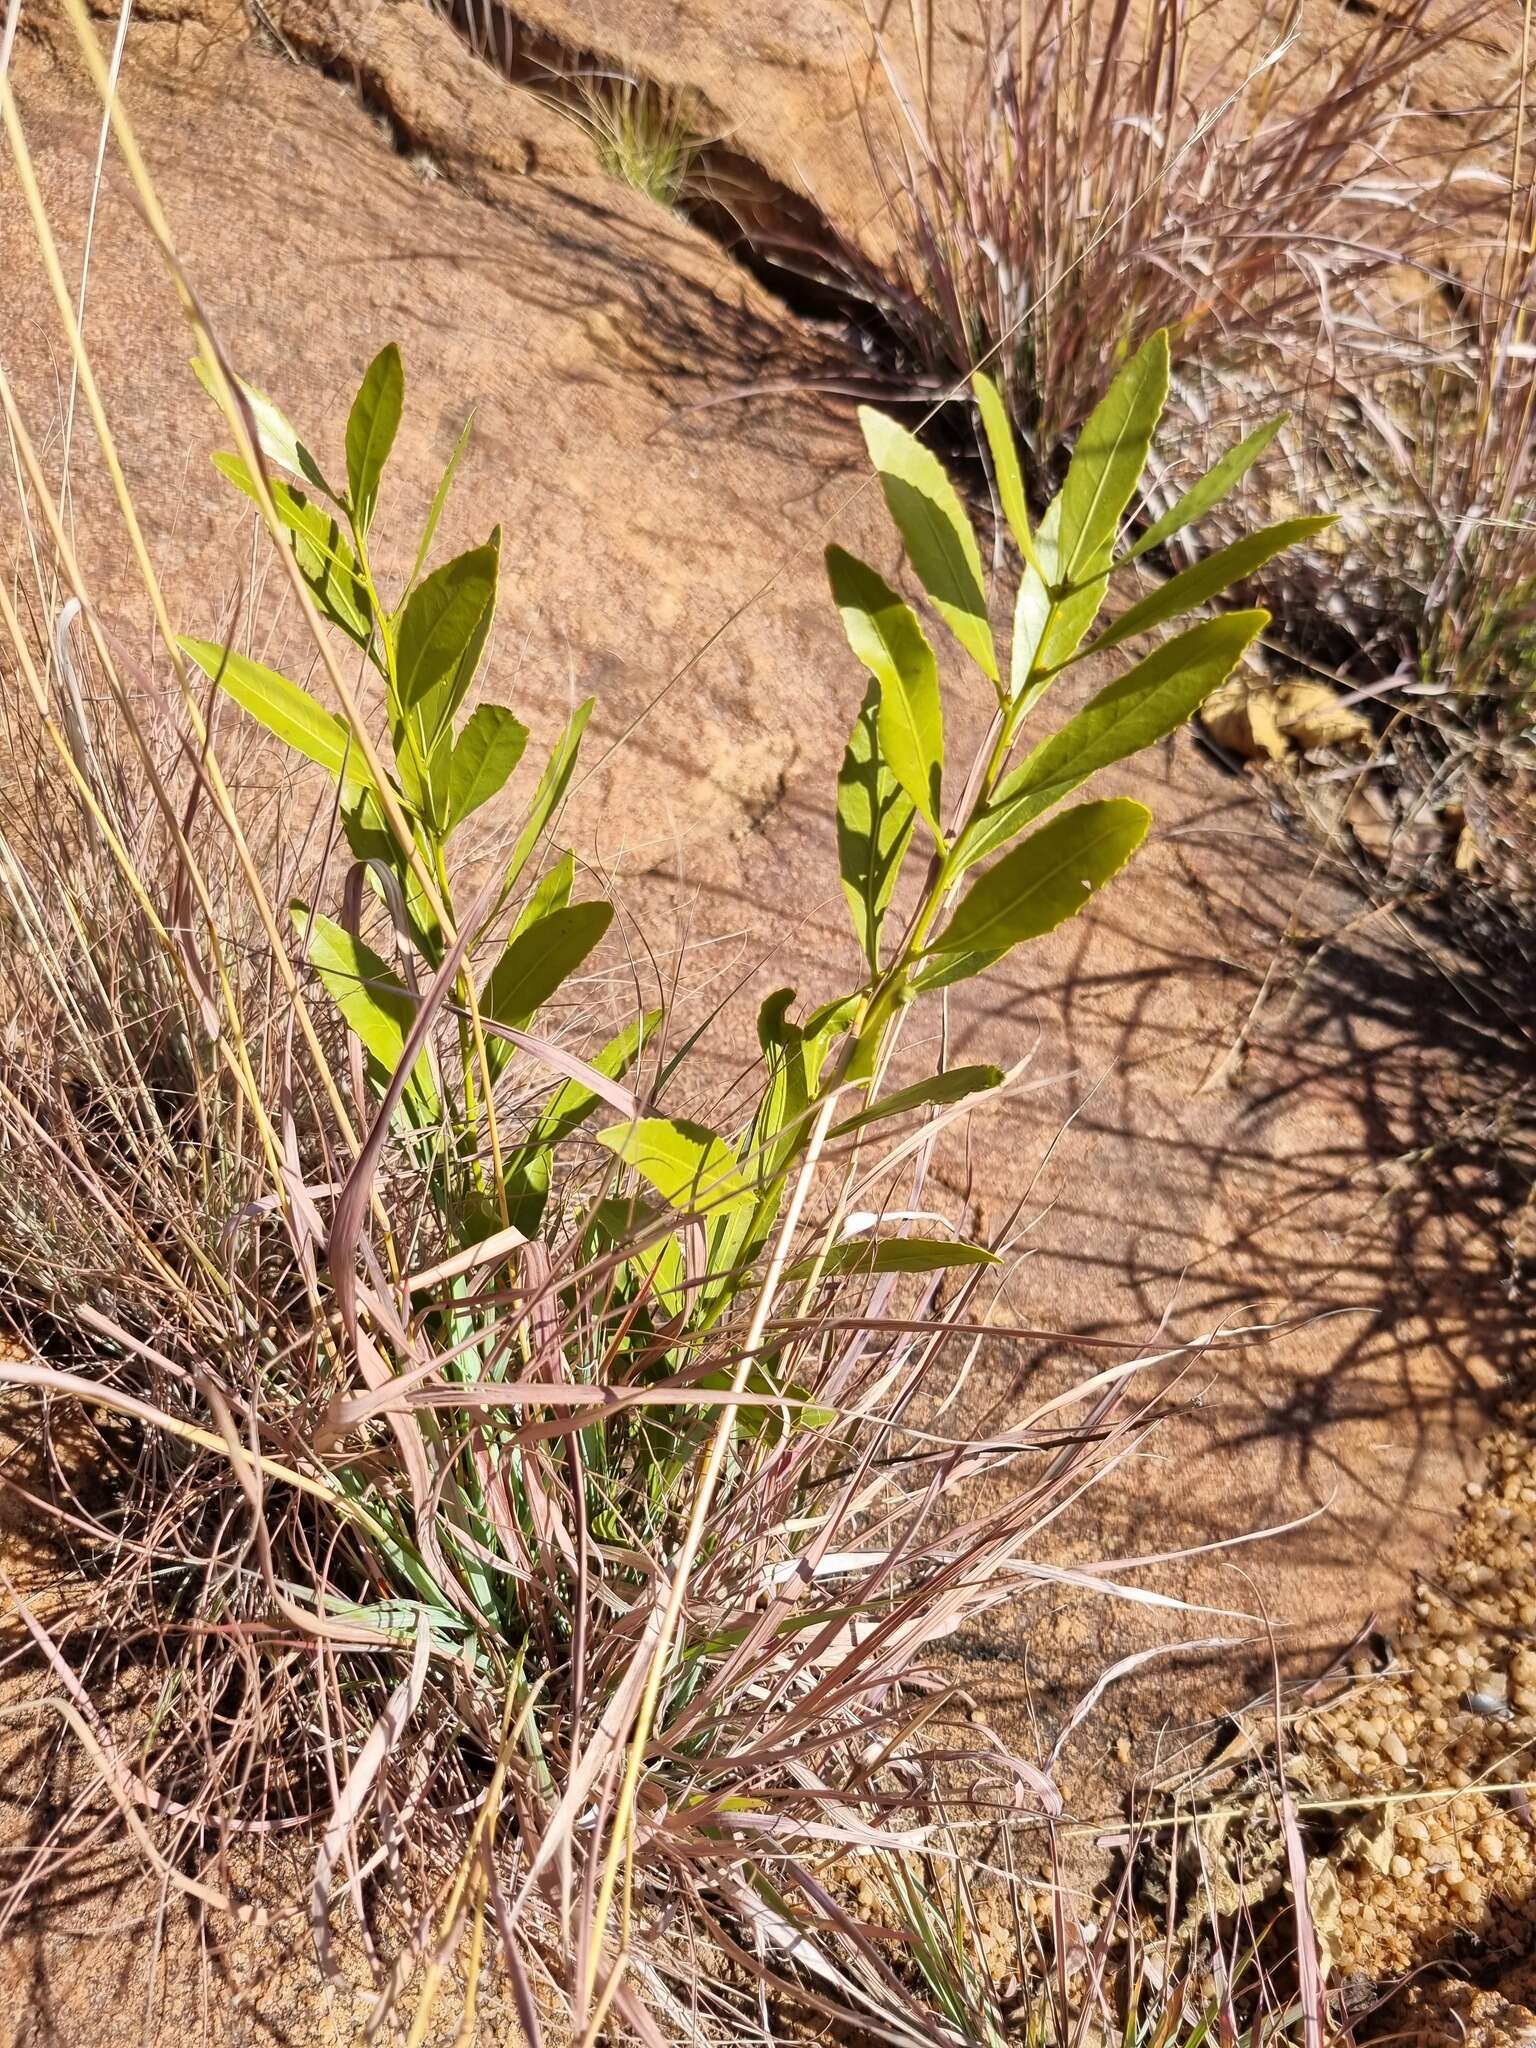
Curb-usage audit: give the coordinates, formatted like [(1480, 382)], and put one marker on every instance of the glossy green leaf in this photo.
[(940, 544), (1005, 464), (1047, 879), (1031, 616), (375, 1003), (274, 436), (484, 755), (1047, 632), (550, 794), (1206, 579), (535, 964), (951, 1086), (282, 707), (371, 428), (440, 498), (875, 817), (1108, 460), (689, 1166), (320, 547), (442, 634), (1136, 710), (892, 1255), (1210, 490), (885, 635)]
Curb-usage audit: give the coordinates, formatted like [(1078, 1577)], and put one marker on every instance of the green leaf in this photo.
[(550, 793), (534, 965), (1005, 464), (442, 633), (440, 498), (1210, 490), (832, 1019), (1139, 708), (885, 635), (1047, 632), (553, 893), (875, 817), (892, 1255), (573, 1100), (940, 544), (484, 756), (793, 1068), (371, 428), (1109, 457), (375, 1003), (1206, 579), (1040, 884), (943, 970), (952, 1086), (528, 1170), (689, 1166), (282, 707), (321, 549), (274, 436)]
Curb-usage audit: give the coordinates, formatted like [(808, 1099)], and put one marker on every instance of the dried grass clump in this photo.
[(1184, 166)]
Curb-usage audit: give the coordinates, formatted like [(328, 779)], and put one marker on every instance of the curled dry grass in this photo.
[(1428, 455), (548, 1648), (1184, 165)]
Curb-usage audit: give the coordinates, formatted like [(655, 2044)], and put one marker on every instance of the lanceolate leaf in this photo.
[(1047, 633), (1031, 615), (689, 1166), (484, 755), (535, 964), (1139, 708), (875, 817), (951, 1086), (375, 1003), (321, 549), (371, 428), (1005, 464), (943, 970), (1108, 459), (282, 707), (550, 794), (884, 633), (893, 1255), (1205, 579), (1210, 490), (274, 437), (940, 544), (553, 893), (442, 632), (1046, 880)]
